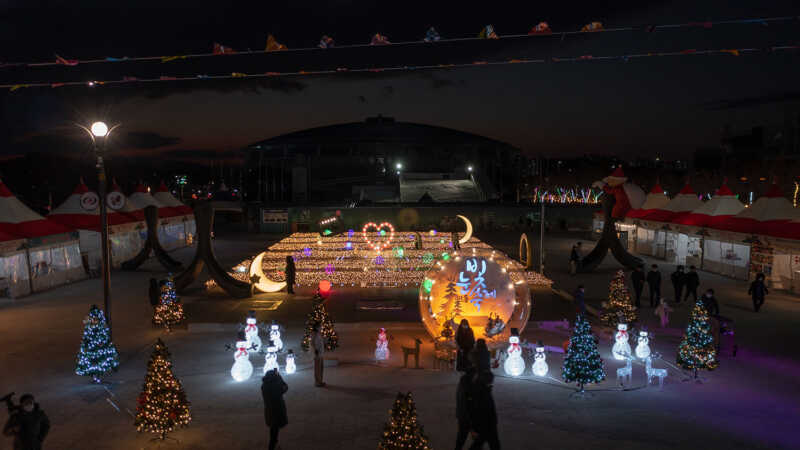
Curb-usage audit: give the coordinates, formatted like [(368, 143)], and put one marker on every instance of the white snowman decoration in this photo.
[(382, 346), (621, 348), (271, 360), (643, 347), (540, 367), (275, 336), (242, 367), (251, 332), (514, 365), (291, 367)]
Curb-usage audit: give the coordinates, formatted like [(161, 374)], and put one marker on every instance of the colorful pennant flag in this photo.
[(432, 35), (273, 45), (593, 26), (379, 39), (172, 58), (66, 62), (541, 28), (326, 42), (488, 33), (220, 49)]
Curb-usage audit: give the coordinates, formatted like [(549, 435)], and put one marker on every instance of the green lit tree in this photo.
[(162, 405), (403, 432), (696, 350), (319, 316), (583, 364), (620, 307), (97, 355)]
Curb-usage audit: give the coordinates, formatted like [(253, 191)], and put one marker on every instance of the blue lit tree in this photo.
[(97, 356), (697, 350), (169, 310), (583, 364)]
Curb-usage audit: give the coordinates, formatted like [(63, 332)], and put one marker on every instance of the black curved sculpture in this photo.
[(204, 257), (152, 244), (609, 241)]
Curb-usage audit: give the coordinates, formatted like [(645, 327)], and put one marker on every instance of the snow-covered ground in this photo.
[(751, 401)]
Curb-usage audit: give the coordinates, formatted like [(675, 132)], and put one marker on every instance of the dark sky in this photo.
[(667, 106)]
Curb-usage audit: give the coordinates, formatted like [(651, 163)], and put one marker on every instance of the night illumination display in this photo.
[(378, 244), (514, 364), (275, 335), (162, 405), (697, 350), (468, 235), (251, 333), (97, 356), (403, 431), (620, 307), (643, 345), (324, 286), (582, 364), (260, 280), (319, 316), (271, 359), (621, 349), (242, 367), (382, 346), (540, 367), (291, 366), (481, 287), (169, 311)]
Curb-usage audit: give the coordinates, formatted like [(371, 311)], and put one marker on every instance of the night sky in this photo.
[(665, 106)]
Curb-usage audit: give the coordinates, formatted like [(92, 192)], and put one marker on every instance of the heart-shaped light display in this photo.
[(378, 245)]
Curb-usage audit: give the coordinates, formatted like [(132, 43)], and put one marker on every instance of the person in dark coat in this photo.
[(692, 283), (654, 283), (463, 407), (710, 303), (580, 299), (637, 277), (483, 417), (154, 292), (678, 279), (272, 389), (290, 274), (758, 290), (454, 239), (28, 425), (465, 339), (575, 258), (480, 356)]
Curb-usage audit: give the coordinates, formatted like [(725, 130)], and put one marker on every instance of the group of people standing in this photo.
[(475, 408), (680, 280)]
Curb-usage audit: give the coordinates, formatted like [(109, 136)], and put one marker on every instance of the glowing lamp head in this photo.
[(469, 168), (324, 286), (399, 166), (99, 129)]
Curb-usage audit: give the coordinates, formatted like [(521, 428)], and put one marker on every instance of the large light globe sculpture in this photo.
[(487, 288)]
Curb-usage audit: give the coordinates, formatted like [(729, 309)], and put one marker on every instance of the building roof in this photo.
[(172, 206), (71, 214), (686, 201), (378, 129), (656, 199), (764, 215), (714, 212)]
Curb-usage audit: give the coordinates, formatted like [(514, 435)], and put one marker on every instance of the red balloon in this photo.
[(324, 286)]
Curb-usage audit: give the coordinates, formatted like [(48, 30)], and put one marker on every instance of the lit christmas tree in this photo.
[(169, 310), (697, 350), (162, 405), (620, 308), (583, 364), (403, 431), (446, 308), (97, 356), (319, 316)]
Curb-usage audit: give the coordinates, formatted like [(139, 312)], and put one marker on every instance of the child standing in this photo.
[(662, 311)]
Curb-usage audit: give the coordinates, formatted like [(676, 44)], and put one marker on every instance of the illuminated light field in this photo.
[(400, 265)]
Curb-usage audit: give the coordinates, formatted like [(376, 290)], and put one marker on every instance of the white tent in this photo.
[(177, 220), (51, 250)]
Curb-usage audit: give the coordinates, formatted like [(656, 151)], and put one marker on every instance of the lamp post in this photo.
[(99, 133)]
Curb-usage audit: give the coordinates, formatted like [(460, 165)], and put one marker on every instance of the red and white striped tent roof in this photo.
[(6, 237), (173, 207), (135, 215), (765, 214), (71, 214), (686, 201), (17, 219), (714, 212), (656, 199), (141, 199)]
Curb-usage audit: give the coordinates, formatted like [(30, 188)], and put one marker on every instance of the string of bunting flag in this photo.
[(431, 35), (342, 70)]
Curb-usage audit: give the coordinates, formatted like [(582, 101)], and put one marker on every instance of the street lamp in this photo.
[(469, 168), (99, 133)]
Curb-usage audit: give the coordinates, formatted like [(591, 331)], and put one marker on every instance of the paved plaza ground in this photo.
[(751, 401)]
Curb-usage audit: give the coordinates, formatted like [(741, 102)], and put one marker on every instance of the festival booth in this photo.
[(655, 200), (723, 252), (652, 228), (81, 211), (51, 254), (177, 226), (14, 276)]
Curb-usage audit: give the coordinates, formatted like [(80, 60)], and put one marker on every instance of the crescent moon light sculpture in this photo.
[(468, 234), (263, 284)]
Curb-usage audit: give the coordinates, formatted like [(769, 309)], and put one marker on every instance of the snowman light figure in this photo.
[(251, 332), (271, 360), (514, 364), (242, 367), (290, 364), (621, 348), (275, 335), (382, 346), (643, 347), (540, 367)]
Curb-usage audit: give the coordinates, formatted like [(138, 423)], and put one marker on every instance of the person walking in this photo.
[(758, 290), (580, 299), (654, 283), (662, 311), (574, 258), (272, 389), (483, 417), (27, 424), (318, 343), (678, 279), (463, 406), (710, 303), (465, 339), (692, 283), (290, 274), (637, 277), (480, 356)]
